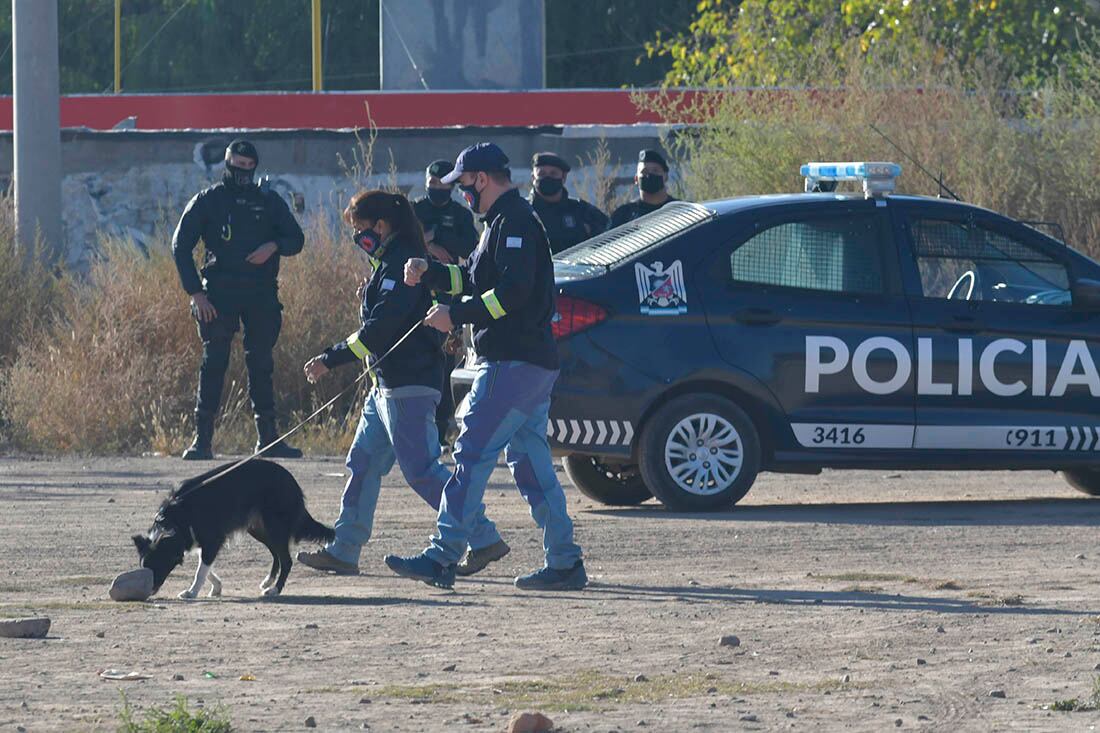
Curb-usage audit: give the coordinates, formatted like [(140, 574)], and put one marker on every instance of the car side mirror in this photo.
[(1086, 295)]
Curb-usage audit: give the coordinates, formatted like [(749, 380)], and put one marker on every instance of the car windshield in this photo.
[(627, 240)]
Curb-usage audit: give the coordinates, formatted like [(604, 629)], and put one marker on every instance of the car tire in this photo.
[(1085, 480), (686, 481), (606, 483)]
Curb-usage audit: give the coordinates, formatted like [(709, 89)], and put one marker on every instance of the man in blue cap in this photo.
[(511, 278)]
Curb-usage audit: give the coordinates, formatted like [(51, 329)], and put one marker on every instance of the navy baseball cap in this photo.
[(481, 157)]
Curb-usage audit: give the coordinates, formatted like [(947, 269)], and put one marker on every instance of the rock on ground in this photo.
[(25, 628)]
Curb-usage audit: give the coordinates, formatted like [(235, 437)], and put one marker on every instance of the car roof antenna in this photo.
[(938, 179)]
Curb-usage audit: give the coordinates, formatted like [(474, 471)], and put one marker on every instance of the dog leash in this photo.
[(317, 412)]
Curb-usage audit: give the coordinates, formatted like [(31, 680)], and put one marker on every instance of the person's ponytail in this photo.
[(393, 208)]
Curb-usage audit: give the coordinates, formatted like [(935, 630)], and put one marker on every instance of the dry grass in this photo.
[(116, 370)]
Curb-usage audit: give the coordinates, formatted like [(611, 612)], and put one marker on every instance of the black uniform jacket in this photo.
[(511, 278), (568, 221), (453, 225), (232, 222), (632, 210), (389, 309)]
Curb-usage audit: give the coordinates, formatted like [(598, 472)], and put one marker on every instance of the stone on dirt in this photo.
[(530, 723), (640, 678), (135, 585), (997, 693), (729, 640), (25, 628), (311, 722)]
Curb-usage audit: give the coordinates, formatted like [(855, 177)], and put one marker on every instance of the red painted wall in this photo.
[(337, 110)]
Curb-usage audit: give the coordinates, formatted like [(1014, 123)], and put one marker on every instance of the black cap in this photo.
[(440, 168), (551, 159), (242, 147), (652, 156), (481, 157)]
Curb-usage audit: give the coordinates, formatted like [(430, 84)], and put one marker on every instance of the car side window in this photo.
[(960, 260), (828, 253)]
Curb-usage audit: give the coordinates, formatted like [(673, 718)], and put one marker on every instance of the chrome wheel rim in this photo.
[(704, 454)]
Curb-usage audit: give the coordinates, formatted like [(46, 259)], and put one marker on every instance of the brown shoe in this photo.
[(474, 561), (326, 562)]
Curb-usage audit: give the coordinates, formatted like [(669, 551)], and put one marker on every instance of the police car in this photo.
[(704, 343)]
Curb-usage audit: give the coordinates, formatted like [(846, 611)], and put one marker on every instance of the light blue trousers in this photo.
[(396, 425), (507, 410)]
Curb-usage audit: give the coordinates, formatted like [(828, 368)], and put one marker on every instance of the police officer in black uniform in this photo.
[(652, 182), (451, 237), (245, 229), (568, 221)]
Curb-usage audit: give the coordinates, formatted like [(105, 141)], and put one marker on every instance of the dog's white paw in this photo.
[(267, 583), (187, 595), (271, 592), (216, 591)]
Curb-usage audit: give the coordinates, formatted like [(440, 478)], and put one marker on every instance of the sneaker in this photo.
[(548, 578), (474, 561), (423, 568), (326, 562)]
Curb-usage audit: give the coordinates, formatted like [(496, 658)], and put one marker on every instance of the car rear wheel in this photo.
[(1085, 480), (607, 483), (699, 452)]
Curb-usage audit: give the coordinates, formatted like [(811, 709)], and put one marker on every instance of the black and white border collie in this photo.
[(259, 497)]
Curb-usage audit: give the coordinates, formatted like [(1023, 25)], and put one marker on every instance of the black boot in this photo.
[(266, 432), (201, 447)]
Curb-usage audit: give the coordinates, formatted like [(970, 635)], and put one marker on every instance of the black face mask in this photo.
[(235, 176), (368, 241), (549, 186), (473, 196), (651, 182), (439, 196)]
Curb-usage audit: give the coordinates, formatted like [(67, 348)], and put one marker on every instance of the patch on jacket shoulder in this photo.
[(513, 242), (387, 284)]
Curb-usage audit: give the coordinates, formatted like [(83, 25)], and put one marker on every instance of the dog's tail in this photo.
[(310, 529)]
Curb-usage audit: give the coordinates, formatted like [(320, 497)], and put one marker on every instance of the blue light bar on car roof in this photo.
[(878, 178)]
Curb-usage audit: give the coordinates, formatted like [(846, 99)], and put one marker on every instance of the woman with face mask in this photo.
[(398, 420)]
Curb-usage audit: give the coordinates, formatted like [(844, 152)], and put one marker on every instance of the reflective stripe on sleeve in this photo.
[(456, 280), (496, 310), (357, 347)]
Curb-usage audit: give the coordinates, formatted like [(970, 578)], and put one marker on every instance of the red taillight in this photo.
[(575, 315)]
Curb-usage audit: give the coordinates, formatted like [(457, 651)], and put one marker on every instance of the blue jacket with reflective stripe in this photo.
[(510, 277), (389, 309)]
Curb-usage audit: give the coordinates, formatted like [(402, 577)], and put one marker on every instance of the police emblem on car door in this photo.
[(661, 290)]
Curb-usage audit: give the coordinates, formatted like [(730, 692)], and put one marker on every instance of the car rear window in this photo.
[(623, 242)]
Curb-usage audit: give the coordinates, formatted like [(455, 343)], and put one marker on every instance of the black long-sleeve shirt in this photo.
[(232, 222), (452, 224), (389, 309), (511, 277), (569, 221)]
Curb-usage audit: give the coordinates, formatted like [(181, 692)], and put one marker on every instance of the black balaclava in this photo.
[(235, 176)]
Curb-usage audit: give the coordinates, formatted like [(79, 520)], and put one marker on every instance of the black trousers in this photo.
[(261, 314)]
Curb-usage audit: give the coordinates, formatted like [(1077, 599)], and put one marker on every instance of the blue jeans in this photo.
[(507, 409), (397, 425)]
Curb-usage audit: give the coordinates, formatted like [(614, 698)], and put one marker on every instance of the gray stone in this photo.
[(729, 640), (997, 693), (846, 678), (135, 585), (749, 718), (643, 678), (311, 722), (25, 628)]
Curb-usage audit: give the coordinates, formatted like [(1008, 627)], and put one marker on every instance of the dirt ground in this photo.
[(862, 601)]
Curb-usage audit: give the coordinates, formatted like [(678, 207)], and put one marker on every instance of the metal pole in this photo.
[(317, 80), (118, 46), (37, 125)]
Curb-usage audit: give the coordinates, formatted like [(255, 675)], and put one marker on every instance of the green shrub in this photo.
[(176, 719)]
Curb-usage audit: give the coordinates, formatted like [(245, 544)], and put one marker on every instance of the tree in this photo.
[(763, 41)]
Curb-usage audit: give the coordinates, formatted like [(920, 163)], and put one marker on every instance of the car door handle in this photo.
[(757, 316), (961, 324)]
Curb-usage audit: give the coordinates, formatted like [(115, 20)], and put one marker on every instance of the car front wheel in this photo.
[(607, 483), (1085, 480), (699, 452)]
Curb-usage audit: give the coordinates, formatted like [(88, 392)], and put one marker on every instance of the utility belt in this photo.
[(258, 283)]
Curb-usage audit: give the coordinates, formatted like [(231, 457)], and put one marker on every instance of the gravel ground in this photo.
[(861, 601)]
